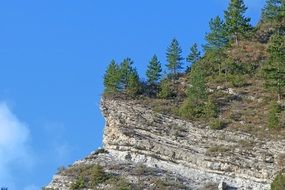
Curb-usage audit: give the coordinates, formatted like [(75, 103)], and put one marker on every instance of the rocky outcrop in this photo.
[(180, 152)]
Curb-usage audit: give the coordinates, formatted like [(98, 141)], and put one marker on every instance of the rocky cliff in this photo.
[(155, 151)]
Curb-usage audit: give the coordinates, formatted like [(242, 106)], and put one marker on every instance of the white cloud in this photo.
[(14, 149)]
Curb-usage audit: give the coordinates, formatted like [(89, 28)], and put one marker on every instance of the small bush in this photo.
[(273, 120), (217, 124), (165, 89), (278, 183), (78, 184), (98, 175), (210, 109), (188, 110), (237, 80)]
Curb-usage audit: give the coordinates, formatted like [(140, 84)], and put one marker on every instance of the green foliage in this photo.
[(153, 72), (216, 38), (98, 175), (123, 185), (213, 62), (273, 119), (278, 183), (274, 69), (197, 92), (165, 89), (273, 9), (217, 124), (188, 110), (174, 57), (236, 80), (78, 184), (236, 24), (194, 55), (133, 84), (193, 106), (210, 109), (122, 78), (112, 78)]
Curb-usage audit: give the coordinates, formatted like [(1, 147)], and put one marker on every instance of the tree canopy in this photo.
[(274, 69), (216, 38), (236, 24), (154, 69), (194, 55), (174, 57)]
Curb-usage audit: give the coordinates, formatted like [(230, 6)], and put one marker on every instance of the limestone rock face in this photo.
[(180, 152)]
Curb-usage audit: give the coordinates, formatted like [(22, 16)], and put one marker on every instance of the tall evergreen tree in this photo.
[(174, 57), (112, 77), (153, 72), (273, 9), (129, 79), (236, 24), (274, 70), (194, 56), (216, 38)]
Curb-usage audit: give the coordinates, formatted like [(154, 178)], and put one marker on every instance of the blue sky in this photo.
[(53, 54)]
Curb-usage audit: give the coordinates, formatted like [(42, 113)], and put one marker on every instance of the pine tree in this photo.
[(273, 9), (174, 57), (129, 79), (274, 69), (236, 24), (194, 56), (153, 72), (133, 85), (112, 78), (216, 38)]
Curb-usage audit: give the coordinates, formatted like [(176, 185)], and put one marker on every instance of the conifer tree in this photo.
[(236, 24), (274, 70), (129, 79), (174, 57), (216, 38), (112, 77), (273, 9), (153, 72), (193, 107), (194, 56), (133, 86)]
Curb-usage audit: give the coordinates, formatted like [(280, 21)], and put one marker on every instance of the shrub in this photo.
[(278, 183), (237, 80), (217, 124), (188, 110), (98, 175), (210, 109), (273, 120), (165, 89), (78, 184)]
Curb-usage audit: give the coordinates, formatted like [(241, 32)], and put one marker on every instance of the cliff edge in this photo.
[(144, 149)]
